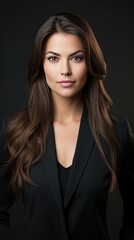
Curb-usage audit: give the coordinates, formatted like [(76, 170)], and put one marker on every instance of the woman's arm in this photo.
[(6, 195), (126, 185)]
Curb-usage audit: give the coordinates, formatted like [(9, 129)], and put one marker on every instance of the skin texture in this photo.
[(63, 65), (66, 74)]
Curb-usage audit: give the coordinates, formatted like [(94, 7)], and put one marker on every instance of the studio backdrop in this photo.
[(112, 23)]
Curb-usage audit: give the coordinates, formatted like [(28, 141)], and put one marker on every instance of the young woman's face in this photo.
[(65, 65)]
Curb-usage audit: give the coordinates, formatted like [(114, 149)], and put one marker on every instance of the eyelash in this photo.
[(77, 58), (52, 59)]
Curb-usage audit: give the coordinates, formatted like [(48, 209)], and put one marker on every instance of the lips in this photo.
[(66, 83)]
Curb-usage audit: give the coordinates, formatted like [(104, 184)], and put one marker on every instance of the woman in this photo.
[(65, 151)]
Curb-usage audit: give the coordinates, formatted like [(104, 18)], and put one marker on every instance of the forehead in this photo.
[(61, 42)]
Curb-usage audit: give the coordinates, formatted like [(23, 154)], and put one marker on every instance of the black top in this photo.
[(63, 177), (83, 211)]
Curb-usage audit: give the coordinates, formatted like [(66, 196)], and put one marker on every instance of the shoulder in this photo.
[(3, 126), (119, 123), (124, 130), (4, 153)]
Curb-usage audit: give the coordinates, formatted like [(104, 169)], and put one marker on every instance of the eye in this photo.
[(77, 58), (53, 58)]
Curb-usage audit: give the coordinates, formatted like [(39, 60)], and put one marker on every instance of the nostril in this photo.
[(66, 74)]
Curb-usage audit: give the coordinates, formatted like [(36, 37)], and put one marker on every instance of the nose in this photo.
[(66, 68)]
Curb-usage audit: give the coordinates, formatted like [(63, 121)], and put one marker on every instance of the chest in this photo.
[(89, 175), (66, 137)]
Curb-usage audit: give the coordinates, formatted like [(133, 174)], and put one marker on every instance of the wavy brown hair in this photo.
[(27, 131)]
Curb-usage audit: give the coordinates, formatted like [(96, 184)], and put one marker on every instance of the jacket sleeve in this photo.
[(126, 184), (6, 196)]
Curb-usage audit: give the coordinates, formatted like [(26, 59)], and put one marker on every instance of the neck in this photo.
[(67, 110)]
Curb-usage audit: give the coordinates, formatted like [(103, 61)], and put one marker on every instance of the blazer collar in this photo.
[(85, 143), (51, 167)]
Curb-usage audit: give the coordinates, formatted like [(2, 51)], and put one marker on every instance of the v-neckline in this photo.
[(85, 145), (64, 168), (77, 139)]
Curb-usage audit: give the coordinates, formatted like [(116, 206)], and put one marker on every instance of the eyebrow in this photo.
[(57, 54)]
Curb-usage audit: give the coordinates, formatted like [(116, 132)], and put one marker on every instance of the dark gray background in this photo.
[(112, 23)]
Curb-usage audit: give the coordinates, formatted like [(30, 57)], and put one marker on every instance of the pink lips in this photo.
[(66, 83)]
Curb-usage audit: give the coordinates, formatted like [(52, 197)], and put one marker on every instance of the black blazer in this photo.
[(81, 215)]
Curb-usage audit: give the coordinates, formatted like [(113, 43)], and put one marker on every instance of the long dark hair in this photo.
[(27, 131)]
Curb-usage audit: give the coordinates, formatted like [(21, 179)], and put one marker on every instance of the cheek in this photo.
[(82, 74), (49, 73), (46, 69)]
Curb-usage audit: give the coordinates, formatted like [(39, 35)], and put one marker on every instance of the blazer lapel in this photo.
[(82, 154), (51, 168), (85, 143)]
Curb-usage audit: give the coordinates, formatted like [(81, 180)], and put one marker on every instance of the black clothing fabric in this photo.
[(63, 177), (85, 196)]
